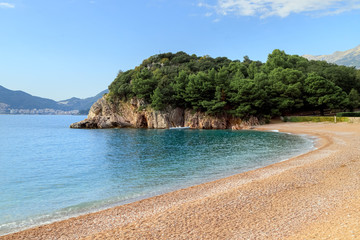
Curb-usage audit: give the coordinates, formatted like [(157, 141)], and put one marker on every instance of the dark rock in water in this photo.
[(84, 124), (136, 114)]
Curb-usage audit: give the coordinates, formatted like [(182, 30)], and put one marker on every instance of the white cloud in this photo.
[(6, 5), (282, 8)]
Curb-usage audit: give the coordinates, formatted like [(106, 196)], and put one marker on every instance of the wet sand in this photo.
[(312, 196)]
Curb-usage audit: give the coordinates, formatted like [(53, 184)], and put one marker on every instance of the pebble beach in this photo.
[(311, 196)]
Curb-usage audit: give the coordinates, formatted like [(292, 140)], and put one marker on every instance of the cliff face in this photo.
[(104, 114)]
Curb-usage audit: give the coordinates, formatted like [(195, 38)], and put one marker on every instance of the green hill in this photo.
[(285, 84)]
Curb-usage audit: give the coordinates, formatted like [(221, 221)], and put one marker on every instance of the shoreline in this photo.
[(204, 210), (181, 186)]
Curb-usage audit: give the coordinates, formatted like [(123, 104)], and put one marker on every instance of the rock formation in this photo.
[(136, 114)]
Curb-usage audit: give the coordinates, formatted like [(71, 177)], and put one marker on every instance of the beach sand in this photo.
[(312, 196)]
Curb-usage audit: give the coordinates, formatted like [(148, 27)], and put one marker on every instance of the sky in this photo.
[(75, 48)]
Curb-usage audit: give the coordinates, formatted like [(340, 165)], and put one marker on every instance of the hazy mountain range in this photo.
[(348, 58), (81, 104), (19, 102)]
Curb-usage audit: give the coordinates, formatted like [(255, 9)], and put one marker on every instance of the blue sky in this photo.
[(62, 49)]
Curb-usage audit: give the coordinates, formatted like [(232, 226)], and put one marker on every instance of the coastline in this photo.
[(277, 201)]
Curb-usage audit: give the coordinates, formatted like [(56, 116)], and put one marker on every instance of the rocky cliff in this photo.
[(135, 114)]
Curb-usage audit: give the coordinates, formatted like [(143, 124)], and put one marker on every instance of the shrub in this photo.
[(316, 119), (348, 114)]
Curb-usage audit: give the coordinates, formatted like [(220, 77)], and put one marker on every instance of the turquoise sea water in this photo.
[(50, 172)]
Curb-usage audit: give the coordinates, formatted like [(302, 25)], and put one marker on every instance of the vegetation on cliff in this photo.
[(285, 84)]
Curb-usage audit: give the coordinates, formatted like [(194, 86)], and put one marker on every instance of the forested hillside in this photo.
[(284, 85)]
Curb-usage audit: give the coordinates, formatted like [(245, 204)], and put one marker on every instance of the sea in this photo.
[(49, 172)]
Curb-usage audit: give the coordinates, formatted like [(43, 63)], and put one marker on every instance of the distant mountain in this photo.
[(23, 100), (81, 104), (19, 102), (349, 58)]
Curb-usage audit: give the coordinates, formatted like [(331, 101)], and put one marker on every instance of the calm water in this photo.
[(50, 172)]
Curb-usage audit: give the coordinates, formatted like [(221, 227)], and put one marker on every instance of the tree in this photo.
[(277, 59), (248, 99), (120, 87), (354, 100), (298, 63), (284, 84), (179, 87), (344, 77), (143, 84), (323, 94), (254, 67), (247, 61), (201, 87), (157, 100), (285, 90)]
